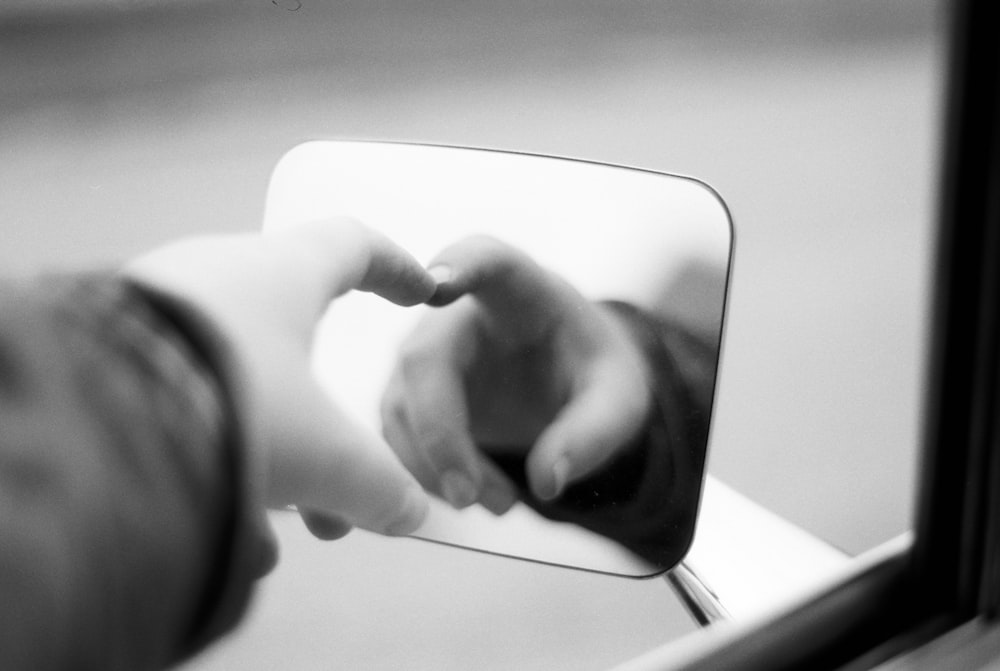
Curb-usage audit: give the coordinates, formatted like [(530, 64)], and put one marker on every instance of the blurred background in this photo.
[(124, 124)]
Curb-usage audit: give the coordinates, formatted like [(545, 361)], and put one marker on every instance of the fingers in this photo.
[(339, 473), (342, 254), (425, 417), (498, 494), (523, 304), (519, 297), (474, 264), (263, 293), (600, 418), (283, 279), (323, 461), (438, 424), (493, 491), (325, 526), (396, 431), (526, 320)]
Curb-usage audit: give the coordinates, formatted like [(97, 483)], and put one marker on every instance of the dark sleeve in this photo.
[(129, 531), (646, 498)]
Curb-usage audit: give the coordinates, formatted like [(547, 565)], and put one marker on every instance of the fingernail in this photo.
[(415, 507), (443, 292), (458, 489), (441, 274), (560, 476), (498, 500), (325, 527)]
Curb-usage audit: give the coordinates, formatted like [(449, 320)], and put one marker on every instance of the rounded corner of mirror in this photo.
[(295, 154)]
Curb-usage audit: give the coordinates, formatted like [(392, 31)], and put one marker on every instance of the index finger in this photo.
[(520, 297), (432, 372), (341, 254), (324, 460)]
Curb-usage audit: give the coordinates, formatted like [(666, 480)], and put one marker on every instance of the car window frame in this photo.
[(950, 573)]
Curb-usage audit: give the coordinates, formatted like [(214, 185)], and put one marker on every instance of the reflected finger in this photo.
[(521, 299), (325, 526), (498, 493), (399, 435), (591, 429), (432, 379), (438, 423)]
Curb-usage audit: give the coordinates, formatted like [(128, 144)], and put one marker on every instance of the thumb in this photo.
[(586, 433), (331, 257), (519, 296), (324, 460)]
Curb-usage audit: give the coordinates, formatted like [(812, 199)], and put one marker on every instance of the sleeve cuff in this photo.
[(246, 549)]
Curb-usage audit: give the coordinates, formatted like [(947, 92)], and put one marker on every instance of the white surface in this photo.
[(753, 560)]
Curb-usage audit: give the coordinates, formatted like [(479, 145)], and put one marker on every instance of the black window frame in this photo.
[(951, 572)]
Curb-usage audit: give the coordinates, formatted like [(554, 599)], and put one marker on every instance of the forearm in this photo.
[(122, 478)]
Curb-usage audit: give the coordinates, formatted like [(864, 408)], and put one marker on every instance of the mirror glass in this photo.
[(657, 241)]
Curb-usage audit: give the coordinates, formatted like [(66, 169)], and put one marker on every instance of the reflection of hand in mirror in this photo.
[(521, 388), (527, 364)]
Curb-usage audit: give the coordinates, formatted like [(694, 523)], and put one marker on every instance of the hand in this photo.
[(524, 362), (264, 294)]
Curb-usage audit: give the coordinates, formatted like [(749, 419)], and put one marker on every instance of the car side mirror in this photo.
[(659, 242)]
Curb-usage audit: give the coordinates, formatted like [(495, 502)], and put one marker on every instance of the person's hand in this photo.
[(264, 294), (523, 362)]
